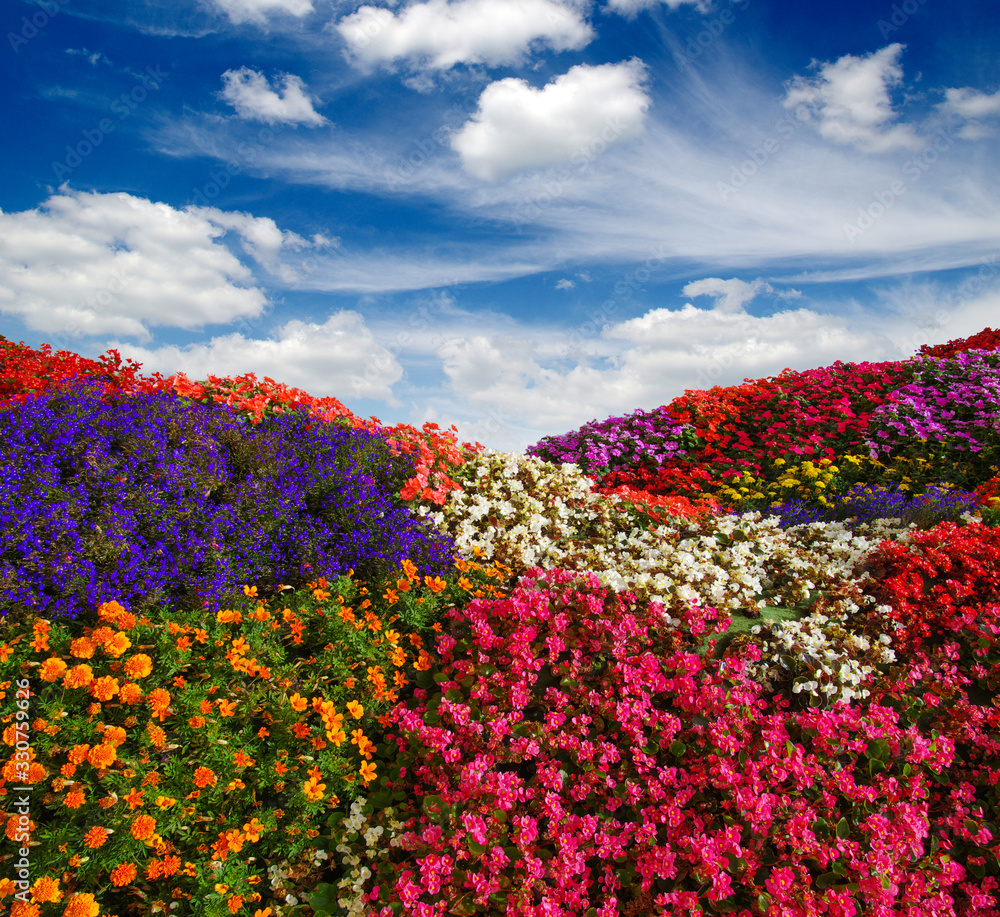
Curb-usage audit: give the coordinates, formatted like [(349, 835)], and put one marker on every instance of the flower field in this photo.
[(737, 654)]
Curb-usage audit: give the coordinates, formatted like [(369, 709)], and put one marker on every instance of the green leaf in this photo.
[(764, 902), (475, 848), (843, 828), (677, 748), (434, 807), (500, 815), (323, 900)]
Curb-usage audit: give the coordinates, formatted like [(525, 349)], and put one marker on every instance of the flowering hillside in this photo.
[(737, 654)]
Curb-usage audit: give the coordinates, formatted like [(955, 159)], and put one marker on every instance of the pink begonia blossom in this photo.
[(660, 780)]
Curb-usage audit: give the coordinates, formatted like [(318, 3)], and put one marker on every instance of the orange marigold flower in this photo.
[(78, 754), (104, 688), (355, 709), (82, 648), (74, 799), (113, 735), (435, 584), (409, 569), (227, 707), (52, 669), (156, 735), (23, 909), (159, 700), (117, 644), (143, 827), (241, 759), (139, 666), (313, 789), (101, 756), (79, 676), (204, 776), (45, 889), (423, 663), (298, 702), (130, 693), (82, 905), (122, 874), (196, 722), (110, 610), (367, 771), (95, 837), (134, 799), (235, 903)]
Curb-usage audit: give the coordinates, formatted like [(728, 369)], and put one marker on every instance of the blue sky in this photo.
[(511, 215)]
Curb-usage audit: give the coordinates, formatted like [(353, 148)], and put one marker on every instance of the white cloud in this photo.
[(970, 103), (565, 284), (323, 360), (972, 106), (580, 113), (849, 101), (730, 295), (85, 263), (254, 100), (442, 34), (631, 7), (257, 11)]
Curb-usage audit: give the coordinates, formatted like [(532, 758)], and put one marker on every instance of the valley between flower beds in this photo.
[(737, 655)]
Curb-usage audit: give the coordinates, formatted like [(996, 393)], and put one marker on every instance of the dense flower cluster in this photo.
[(642, 438), (951, 408), (987, 339), (144, 499), (866, 503), (557, 764), (642, 706)]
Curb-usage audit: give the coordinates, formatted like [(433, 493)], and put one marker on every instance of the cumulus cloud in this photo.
[(565, 284), (643, 362), (849, 101), (579, 113), (86, 263), (730, 295), (255, 100), (441, 34), (258, 11), (331, 359)]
